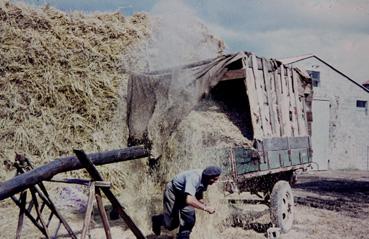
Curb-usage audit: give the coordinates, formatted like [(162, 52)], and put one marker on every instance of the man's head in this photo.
[(211, 174)]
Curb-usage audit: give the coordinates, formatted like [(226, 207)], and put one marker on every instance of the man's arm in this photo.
[(192, 201)]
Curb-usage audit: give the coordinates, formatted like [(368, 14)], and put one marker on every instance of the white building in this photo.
[(340, 130)]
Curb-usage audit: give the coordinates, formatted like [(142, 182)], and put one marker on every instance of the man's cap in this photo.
[(212, 171)]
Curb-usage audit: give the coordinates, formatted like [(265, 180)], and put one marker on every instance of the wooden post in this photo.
[(90, 204), (102, 212), (22, 208)]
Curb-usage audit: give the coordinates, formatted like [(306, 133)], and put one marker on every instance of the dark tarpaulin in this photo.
[(158, 101)]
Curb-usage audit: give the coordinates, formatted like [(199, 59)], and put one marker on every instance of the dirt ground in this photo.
[(329, 205)]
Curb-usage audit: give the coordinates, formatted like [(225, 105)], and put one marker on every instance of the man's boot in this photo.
[(183, 235), (157, 222)]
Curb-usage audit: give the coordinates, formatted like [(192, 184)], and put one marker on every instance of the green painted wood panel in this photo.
[(295, 156), (285, 158), (274, 160), (244, 161)]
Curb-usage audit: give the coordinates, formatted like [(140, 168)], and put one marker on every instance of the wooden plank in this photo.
[(269, 86), (265, 102), (103, 184), (277, 102), (253, 100), (279, 92), (102, 212), (22, 208), (292, 106), (280, 143), (95, 175), (258, 96), (273, 102), (285, 104), (234, 74), (300, 105), (46, 172), (297, 105), (298, 142), (90, 204), (252, 175), (260, 92), (259, 64), (71, 181), (307, 114)]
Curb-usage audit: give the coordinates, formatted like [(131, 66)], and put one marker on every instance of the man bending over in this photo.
[(181, 196)]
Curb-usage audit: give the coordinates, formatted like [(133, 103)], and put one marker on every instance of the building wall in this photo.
[(348, 125)]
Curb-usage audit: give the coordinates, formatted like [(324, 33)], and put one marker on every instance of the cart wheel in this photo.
[(281, 205)]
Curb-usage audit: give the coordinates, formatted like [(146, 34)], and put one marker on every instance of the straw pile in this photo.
[(61, 88), (202, 137), (60, 84)]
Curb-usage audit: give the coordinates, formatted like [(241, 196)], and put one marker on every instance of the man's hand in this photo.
[(210, 210), (192, 201)]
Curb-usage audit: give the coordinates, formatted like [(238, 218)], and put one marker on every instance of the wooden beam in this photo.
[(46, 172), (234, 74), (22, 208), (90, 206), (103, 215)]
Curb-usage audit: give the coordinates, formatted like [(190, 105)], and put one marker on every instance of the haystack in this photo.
[(61, 85)]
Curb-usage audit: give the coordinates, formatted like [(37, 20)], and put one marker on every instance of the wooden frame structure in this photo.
[(280, 97), (41, 200)]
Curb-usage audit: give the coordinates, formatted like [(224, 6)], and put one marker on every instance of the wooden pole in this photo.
[(104, 217), (22, 208), (90, 206), (46, 172)]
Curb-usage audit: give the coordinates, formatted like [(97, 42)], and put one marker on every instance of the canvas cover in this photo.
[(158, 101)]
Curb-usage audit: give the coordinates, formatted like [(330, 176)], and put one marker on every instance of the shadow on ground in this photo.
[(349, 196)]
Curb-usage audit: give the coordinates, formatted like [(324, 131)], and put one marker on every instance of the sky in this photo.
[(335, 30)]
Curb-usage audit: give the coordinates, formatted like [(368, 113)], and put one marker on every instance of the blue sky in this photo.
[(335, 30)]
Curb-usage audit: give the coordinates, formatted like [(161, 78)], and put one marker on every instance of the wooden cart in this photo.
[(268, 170)]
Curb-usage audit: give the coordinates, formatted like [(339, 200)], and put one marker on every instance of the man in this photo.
[(181, 196)]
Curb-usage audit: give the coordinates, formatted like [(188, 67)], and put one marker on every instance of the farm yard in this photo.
[(328, 205), (111, 84)]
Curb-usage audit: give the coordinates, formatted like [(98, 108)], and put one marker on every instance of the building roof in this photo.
[(291, 60)]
